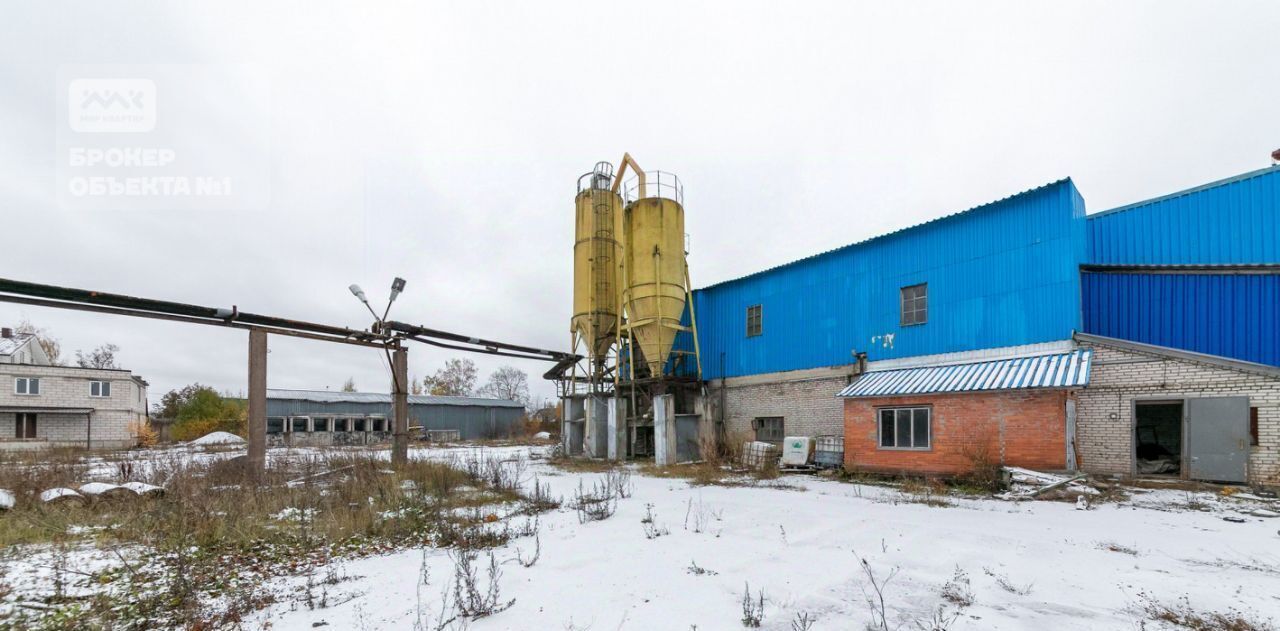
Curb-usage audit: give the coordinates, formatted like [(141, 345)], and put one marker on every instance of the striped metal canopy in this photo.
[(1061, 370)]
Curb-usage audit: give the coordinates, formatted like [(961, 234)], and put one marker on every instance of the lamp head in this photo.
[(358, 293)]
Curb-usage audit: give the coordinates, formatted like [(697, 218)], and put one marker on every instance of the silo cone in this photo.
[(654, 256)]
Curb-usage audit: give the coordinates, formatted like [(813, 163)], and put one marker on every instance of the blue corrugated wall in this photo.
[(1001, 274), (1231, 222), (1231, 315)]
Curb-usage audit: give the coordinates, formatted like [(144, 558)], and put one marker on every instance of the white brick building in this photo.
[(45, 405), (1129, 378)]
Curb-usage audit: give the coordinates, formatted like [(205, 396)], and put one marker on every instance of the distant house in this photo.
[(42, 405), (322, 417)]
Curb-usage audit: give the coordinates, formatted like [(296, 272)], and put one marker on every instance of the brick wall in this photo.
[(808, 407), (67, 387), (1017, 428), (1119, 376)]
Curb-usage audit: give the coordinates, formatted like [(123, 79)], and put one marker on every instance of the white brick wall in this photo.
[(1120, 376), (66, 387), (808, 407)]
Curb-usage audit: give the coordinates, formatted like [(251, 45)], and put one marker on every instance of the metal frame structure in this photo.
[(390, 336)]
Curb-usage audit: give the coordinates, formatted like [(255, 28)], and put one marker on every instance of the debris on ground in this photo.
[(1027, 484)]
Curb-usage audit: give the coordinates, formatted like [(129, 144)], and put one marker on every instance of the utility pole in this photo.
[(257, 401), (400, 406)]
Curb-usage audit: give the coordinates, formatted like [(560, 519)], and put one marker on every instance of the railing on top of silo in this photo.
[(657, 184)]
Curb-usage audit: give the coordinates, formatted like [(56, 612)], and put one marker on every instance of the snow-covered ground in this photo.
[(1029, 565)]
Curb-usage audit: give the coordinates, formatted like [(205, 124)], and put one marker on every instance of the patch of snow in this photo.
[(6, 499), (218, 438), (98, 488), (542, 435), (142, 488), (59, 493)]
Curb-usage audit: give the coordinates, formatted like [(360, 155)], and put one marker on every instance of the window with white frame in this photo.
[(915, 304), (26, 385), (275, 425), (906, 428), (298, 424), (99, 388)]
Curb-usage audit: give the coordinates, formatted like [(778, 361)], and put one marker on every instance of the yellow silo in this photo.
[(596, 258), (654, 291)]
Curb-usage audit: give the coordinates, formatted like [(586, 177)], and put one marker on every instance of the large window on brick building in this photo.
[(769, 429), (915, 304), (905, 428)]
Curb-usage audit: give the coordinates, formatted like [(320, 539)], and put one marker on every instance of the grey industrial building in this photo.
[(322, 417)]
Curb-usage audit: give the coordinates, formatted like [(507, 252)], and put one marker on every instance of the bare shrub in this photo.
[(472, 598), (874, 596), (1007, 585), (958, 590), (649, 523), (537, 553), (985, 473), (803, 622), (752, 608), (697, 570), (598, 504), (938, 620), (619, 482), (701, 516), (539, 499)]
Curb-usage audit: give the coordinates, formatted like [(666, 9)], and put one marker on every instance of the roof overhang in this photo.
[(1177, 353), (1052, 371), (37, 409)]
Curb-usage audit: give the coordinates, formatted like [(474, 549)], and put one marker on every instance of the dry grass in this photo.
[(1181, 615), (217, 531)]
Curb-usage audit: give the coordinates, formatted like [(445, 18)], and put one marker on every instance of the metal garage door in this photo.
[(1218, 438)]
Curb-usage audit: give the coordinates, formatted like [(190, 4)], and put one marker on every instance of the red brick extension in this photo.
[(1024, 428)]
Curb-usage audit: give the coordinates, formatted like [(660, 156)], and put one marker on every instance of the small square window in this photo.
[(906, 428), (755, 321), (298, 424), (26, 385), (359, 424), (915, 304), (769, 429), (100, 389), (275, 425), (320, 425)]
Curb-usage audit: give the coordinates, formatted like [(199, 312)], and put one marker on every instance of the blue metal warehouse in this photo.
[(1183, 290)]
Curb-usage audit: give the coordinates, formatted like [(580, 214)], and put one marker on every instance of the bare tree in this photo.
[(508, 382), (49, 344), (102, 357), (456, 379), (349, 385)]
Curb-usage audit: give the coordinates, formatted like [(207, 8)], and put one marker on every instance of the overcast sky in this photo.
[(442, 142)]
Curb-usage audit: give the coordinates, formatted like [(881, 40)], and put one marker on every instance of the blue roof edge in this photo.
[(1190, 191), (1066, 180)]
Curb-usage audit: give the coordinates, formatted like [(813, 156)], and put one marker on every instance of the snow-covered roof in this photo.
[(10, 345), (328, 396), (1060, 370)]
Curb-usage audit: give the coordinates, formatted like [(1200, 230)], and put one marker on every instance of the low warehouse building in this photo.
[(322, 417)]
